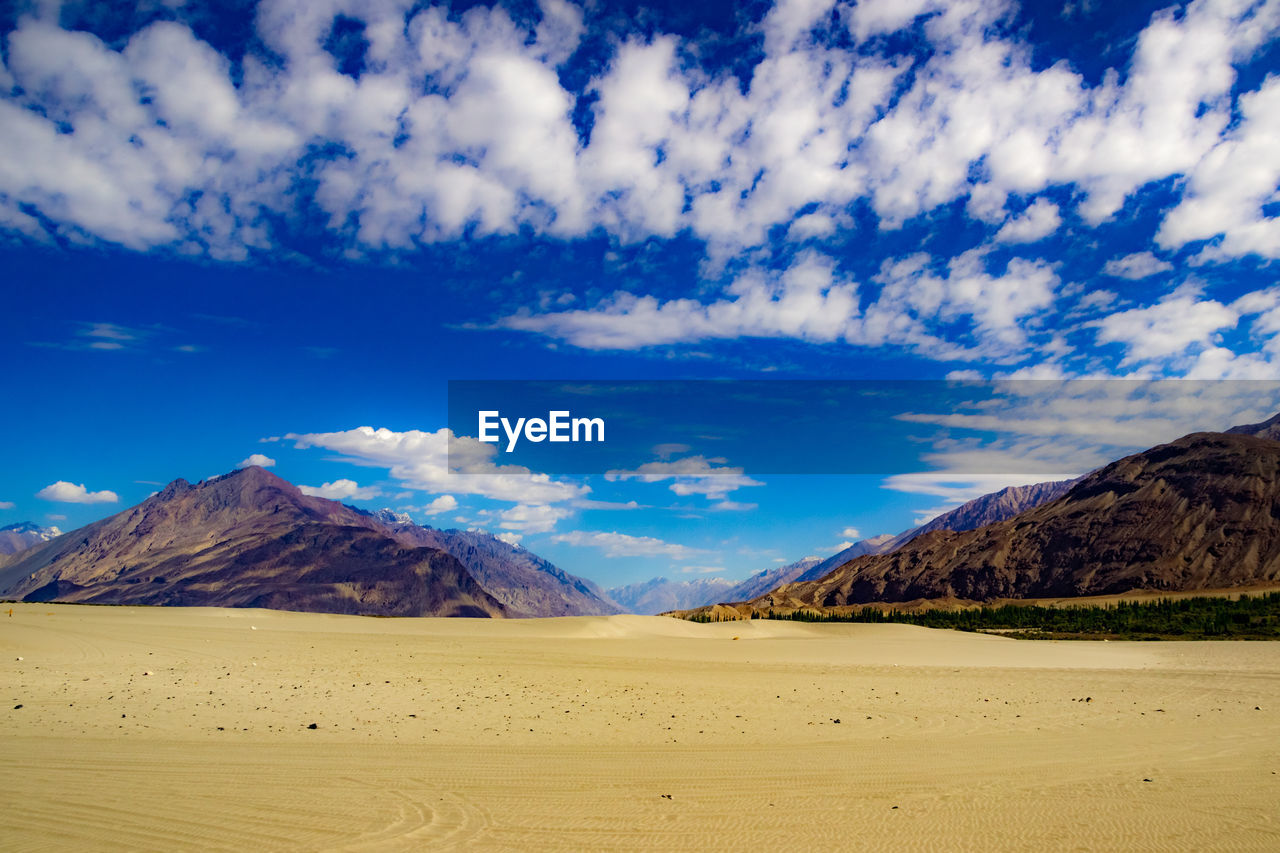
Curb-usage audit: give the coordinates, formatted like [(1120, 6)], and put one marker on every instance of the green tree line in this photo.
[(1252, 617)]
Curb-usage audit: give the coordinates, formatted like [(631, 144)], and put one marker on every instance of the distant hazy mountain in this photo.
[(996, 506), (1202, 512), (874, 545), (247, 539), (660, 595), (1270, 428), (24, 534), (526, 584), (762, 582)]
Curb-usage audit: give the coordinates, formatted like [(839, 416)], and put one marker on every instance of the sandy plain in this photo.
[(164, 729)]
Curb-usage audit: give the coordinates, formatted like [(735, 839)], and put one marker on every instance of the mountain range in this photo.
[(251, 539), (661, 595), (1199, 513)]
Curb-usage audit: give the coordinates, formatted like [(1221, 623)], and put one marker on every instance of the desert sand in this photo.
[(139, 728)]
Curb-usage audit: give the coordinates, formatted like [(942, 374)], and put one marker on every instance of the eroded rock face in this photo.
[(247, 539), (1202, 512)]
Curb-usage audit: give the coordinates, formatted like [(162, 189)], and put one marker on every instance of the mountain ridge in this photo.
[(246, 539), (1201, 512)]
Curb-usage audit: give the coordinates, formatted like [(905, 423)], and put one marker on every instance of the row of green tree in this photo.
[(1252, 617)]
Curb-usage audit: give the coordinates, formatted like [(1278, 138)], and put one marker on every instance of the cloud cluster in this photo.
[(713, 478), (427, 126), (985, 310), (446, 465), (441, 125), (65, 492)]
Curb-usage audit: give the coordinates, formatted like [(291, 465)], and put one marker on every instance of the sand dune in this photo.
[(189, 728)]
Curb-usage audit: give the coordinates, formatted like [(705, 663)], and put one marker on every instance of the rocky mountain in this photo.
[(1202, 512), (660, 595), (24, 534), (247, 539), (526, 584)]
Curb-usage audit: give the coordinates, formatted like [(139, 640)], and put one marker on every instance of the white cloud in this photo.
[(7, 504), (532, 519), (615, 544), (442, 504), (1229, 186), (1035, 223), (421, 460), (65, 492), (692, 475), (1136, 266), (165, 149), (341, 490), (804, 302), (509, 537), (1176, 323), (850, 533), (460, 125), (809, 302), (261, 460)]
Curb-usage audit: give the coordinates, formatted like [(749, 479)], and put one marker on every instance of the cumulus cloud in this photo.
[(150, 143), (261, 460), (532, 519), (340, 490), (1136, 266), (7, 504), (1035, 223), (810, 301), (441, 505), (460, 125), (850, 533), (1230, 186), (65, 492), (1176, 323), (614, 544)]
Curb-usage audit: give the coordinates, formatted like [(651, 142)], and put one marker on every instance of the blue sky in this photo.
[(228, 223)]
